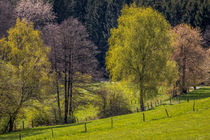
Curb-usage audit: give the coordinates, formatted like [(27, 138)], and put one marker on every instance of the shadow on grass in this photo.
[(156, 119), (194, 95), (59, 126), (34, 132)]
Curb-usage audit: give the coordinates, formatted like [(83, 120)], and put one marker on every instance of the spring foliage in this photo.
[(25, 51), (140, 50), (190, 56)]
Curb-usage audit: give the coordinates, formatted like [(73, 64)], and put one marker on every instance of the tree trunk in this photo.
[(184, 89), (71, 101), (70, 84), (66, 94), (11, 123), (183, 80), (141, 96), (69, 87), (141, 101), (12, 119)]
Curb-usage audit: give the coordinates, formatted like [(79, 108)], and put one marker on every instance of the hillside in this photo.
[(183, 123)]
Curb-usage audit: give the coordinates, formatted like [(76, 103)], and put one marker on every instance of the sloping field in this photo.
[(187, 120)]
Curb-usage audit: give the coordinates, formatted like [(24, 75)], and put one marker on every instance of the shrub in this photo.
[(112, 102)]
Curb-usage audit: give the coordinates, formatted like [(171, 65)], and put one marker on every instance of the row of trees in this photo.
[(41, 55), (145, 52), (100, 16)]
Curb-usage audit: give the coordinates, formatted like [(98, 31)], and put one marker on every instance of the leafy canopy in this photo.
[(141, 48), (25, 51)]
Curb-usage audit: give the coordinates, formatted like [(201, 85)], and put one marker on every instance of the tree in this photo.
[(78, 59), (7, 17), (36, 11), (9, 92), (51, 37), (27, 54), (189, 55), (140, 50)]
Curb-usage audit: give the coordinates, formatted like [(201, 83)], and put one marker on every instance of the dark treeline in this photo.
[(100, 16)]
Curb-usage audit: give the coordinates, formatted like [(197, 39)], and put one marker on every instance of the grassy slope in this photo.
[(183, 123)]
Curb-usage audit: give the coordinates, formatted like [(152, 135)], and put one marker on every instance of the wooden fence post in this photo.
[(111, 122), (167, 112), (143, 117), (85, 127), (52, 132), (194, 105)]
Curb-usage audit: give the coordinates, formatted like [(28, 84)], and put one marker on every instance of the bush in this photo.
[(41, 114), (41, 119), (112, 102)]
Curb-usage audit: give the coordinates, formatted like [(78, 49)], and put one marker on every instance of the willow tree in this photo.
[(140, 51)]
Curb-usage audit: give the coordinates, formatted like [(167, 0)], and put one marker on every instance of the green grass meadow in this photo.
[(185, 122)]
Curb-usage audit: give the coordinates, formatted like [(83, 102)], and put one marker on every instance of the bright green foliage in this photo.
[(25, 50), (9, 91), (4, 49), (113, 100), (140, 50), (28, 54)]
